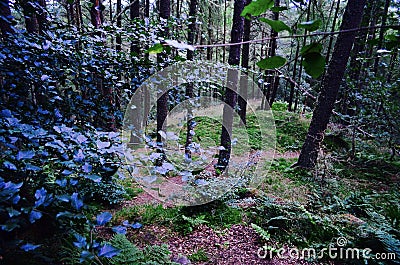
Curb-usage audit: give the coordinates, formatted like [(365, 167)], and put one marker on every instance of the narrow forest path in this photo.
[(235, 245)]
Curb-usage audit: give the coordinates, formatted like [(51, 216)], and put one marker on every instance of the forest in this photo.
[(199, 132)]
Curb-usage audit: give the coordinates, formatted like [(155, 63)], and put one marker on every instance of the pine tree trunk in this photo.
[(119, 25), (330, 86), (242, 100), (5, 18), (292, 84), (381, 35), (274, 81), (230, 95), (189, 87), (29, 11), (162, 101)]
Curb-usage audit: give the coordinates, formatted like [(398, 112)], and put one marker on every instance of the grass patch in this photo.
[(291, 130)]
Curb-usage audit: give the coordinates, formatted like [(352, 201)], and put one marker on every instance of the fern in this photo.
[(195, 222), (130, 254), (263, 233), (157, 255)]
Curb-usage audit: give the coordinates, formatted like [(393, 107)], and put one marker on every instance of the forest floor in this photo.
[(355, 199)]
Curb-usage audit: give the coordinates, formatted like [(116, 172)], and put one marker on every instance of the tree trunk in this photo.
[(328, 52), (189, 87), (330, 86), (5, 18), (96, 13), (31, 22), (301, 61), (224, 33), (292, 84), (274, 80), (41, 15), (209, 31), (119, 25), (242, 100), (162, 101), (230, 95), (381, 34), (134, 13)]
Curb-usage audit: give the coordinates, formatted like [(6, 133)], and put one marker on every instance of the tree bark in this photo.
[(189, 88), (118, 38), (96, 13), (242, 100), (5, 18), (381, 34), (230, 94), (162, 101), (274, 80), (330, 86), (31, 21)]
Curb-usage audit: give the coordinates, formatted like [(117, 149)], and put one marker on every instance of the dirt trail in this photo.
[(236, 245)]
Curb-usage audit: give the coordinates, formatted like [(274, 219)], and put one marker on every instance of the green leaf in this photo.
[(278, 8), (271, 62), (156, 48), (276, 25), (312, 25), (311, 48), (256, 8), (314, 64)]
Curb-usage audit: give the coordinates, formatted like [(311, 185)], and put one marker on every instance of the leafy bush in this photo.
[(280, 106)]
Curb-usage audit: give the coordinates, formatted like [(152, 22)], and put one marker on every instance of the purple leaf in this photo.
[(119, 229), (16, 199), (87, 168), (25, 154), (62, 182), (136, 225), (9, 165), (81, 241), (101, 145), (66, 172), (108, 251), (86, 255), (34, 215), (79, 156), (95, 178), (73, 182), (32, 167), (40, 196), (103, 218), (81, 139), (75, 201), (29, 247)]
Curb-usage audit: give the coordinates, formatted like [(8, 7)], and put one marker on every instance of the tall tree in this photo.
[(96, 13), (230, 94), (189, 87), (29, 11), (242, 101), (330, 86), (134, 13), (5, 18), (162, 101), (273, 78), (381, 34)]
